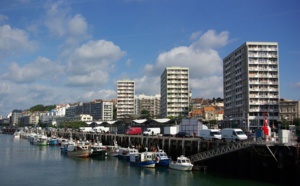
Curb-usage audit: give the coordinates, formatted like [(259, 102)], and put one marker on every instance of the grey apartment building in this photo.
[(251, 85), (174, 92)]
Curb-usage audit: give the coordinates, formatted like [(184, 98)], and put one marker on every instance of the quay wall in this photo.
[(281, 166)]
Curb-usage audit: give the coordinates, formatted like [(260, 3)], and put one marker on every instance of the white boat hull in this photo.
[(181, 167)]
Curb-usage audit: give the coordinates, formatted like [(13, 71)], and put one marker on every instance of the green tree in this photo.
[(296, 121), (41, 107)]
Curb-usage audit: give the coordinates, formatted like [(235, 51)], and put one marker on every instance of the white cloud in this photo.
[(202, 59), (61, 23), (211, 40), (208, 87), (297, 84), (77, 25), (40, 69), (96, 78), (90, 64), (195, 35), (98, 94), (56, 18), (12, 41), (149, 85), (5, 88), (3, 18)]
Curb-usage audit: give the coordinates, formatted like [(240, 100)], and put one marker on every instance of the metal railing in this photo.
[(230, 147)]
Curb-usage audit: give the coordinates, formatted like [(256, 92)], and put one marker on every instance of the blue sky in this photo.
[(55, 52)]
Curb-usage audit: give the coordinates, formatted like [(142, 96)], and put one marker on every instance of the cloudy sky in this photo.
[(54, 52)]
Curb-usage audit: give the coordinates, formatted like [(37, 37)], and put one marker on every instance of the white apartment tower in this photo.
[(125, 98), (174, 92), (251, 85)]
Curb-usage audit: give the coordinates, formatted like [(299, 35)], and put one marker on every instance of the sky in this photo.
[(57, 52)]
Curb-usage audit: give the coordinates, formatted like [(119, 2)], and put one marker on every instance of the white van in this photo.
[(210, 134), (151, 131), (101, 129), (86, 129), (231, 134)]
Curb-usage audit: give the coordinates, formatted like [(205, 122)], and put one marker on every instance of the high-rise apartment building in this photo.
[(251, 85), (125, 98), (148, 103), (98, 109), (174, 92), (14, 120)]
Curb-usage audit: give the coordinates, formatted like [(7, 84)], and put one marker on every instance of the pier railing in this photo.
[(229, 147)]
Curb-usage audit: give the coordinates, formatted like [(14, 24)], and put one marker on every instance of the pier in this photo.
[(262, 160), (272, 161)]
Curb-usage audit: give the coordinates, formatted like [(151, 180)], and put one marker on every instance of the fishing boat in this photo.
[(143, 159), (40, 140), (113, 150), (61, 141), (183, 163), (162, 158), (17, 134), (78, 149), (53, 140), (98, 150), (124, 153)]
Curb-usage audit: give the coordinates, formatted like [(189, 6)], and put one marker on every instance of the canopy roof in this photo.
[(139, 121), (163, 120)]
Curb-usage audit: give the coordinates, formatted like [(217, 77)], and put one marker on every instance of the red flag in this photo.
[(265, 127)]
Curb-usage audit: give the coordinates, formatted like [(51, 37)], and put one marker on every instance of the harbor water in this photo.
[(25, 164)]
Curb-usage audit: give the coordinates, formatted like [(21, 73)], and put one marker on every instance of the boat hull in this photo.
[(53, 142), (79, 153), (97, 153), (145, 164), (181, 167), (163, 163)]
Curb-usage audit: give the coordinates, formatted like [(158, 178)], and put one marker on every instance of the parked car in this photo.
[(183, 135)]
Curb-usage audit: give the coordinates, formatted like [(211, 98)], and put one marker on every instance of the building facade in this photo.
[(15, 117), (107, 111), (289, 110), (125, 98), (175, 92), (149, 103), (97, 109), (251, 85)]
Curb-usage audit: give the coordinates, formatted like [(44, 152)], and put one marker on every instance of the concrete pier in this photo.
[(278, 163)]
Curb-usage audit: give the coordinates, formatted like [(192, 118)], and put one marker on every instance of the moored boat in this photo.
[(40, 140), (53, 141), (162, 158), (61, 141), (98, 150), (124, 153), (17, 134), (113, 150), (182, 163), (143, 159), (78, 149)]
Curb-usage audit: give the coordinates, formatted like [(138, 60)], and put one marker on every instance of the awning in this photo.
[(111, 122), (164, 120), (139, 121)]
